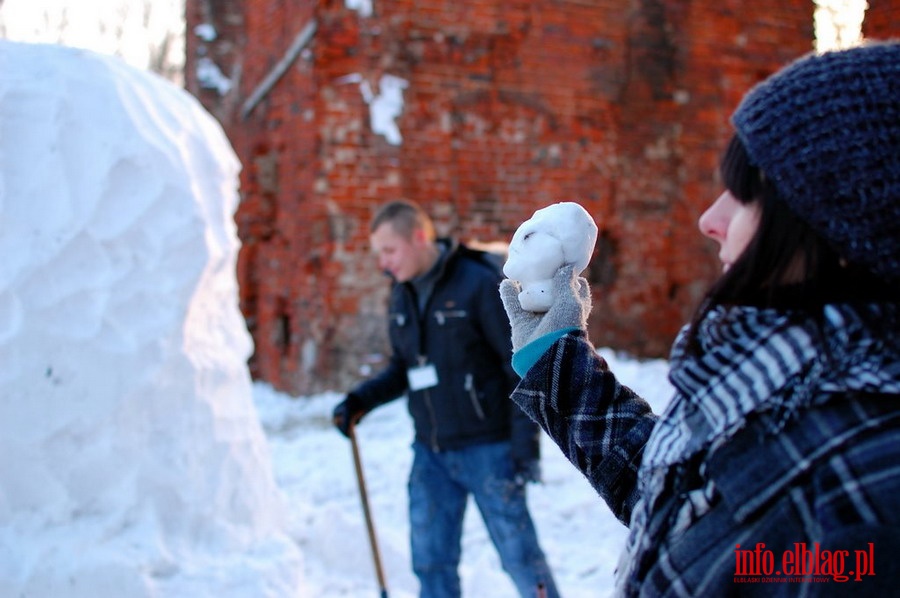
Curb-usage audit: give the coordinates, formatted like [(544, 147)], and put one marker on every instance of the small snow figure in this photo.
[(560, 234)]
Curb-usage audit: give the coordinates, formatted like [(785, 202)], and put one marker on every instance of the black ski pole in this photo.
[(364, 498)]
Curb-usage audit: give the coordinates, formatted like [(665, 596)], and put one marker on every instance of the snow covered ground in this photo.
[(314, 467)]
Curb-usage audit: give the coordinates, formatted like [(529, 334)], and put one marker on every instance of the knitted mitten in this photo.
[(570, 309)]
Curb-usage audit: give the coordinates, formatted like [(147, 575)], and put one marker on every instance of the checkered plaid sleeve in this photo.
[(600, 425)]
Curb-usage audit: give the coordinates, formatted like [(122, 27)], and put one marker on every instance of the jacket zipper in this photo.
[(426, 394), (473, 395), (428, 404), (423, 358)]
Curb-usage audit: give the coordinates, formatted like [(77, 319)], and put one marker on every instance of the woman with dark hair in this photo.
[(775, 469)]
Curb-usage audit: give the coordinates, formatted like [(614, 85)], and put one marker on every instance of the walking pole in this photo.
[(364, 498)]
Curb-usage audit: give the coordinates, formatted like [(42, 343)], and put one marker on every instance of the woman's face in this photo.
[(731, 224)]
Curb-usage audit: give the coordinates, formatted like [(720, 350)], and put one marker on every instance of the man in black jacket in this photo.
[(451, 347)]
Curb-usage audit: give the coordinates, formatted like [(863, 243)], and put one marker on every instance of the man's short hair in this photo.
[(405, 217)]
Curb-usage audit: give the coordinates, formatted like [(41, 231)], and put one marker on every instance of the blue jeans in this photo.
[(439, 485)]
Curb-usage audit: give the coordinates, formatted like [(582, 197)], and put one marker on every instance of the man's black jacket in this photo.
[(464, 332)]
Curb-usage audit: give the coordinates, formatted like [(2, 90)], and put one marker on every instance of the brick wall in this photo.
[(882, 19), (509, 106)]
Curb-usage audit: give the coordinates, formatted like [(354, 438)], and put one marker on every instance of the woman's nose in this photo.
[(714, 221)]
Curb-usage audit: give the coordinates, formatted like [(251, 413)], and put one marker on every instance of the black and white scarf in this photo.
[(754, 360)]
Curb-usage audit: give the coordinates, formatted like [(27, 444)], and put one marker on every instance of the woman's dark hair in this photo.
[(786, 265)]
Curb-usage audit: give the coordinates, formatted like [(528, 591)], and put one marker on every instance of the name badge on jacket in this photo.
[(422, 377)]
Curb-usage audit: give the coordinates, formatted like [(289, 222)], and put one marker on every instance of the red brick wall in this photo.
[(510, 106), (882, 19)]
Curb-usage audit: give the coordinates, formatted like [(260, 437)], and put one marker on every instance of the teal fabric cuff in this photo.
[(527, 356)]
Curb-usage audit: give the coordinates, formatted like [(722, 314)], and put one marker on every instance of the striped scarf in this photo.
[(754, 360), (761, 359)]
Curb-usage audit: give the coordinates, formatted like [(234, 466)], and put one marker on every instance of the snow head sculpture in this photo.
[(560, 234)]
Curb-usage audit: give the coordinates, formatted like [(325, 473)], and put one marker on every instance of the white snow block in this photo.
[(132, 460)]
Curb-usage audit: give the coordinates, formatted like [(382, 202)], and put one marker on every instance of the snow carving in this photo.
[(133, 461), (560, 234)]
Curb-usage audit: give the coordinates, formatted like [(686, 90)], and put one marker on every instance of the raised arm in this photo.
[(567, 388)]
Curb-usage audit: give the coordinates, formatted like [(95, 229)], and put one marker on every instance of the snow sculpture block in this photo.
[(133, 462), (560, 234)]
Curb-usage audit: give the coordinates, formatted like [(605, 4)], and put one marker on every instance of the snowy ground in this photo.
[(314, 466)]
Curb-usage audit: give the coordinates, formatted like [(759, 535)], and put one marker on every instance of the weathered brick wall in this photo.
[(882, 19), (509, 106)]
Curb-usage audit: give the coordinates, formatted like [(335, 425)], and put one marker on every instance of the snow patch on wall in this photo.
[(206, 32), (210, 76), (364, 7), (385, 106)]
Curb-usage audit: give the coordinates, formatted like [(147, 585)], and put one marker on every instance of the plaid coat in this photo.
[(762, 494)]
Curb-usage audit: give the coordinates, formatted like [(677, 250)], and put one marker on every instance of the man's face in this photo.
[(401, 257)]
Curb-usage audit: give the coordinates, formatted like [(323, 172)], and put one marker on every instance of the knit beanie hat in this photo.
[(826, 131)]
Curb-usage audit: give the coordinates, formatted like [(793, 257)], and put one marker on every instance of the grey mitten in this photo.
[(571, 307)]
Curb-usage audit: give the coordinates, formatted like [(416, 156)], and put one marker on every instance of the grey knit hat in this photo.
[(826, 131)]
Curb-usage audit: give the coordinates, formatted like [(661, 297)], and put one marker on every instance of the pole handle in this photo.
[(364, 499)]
